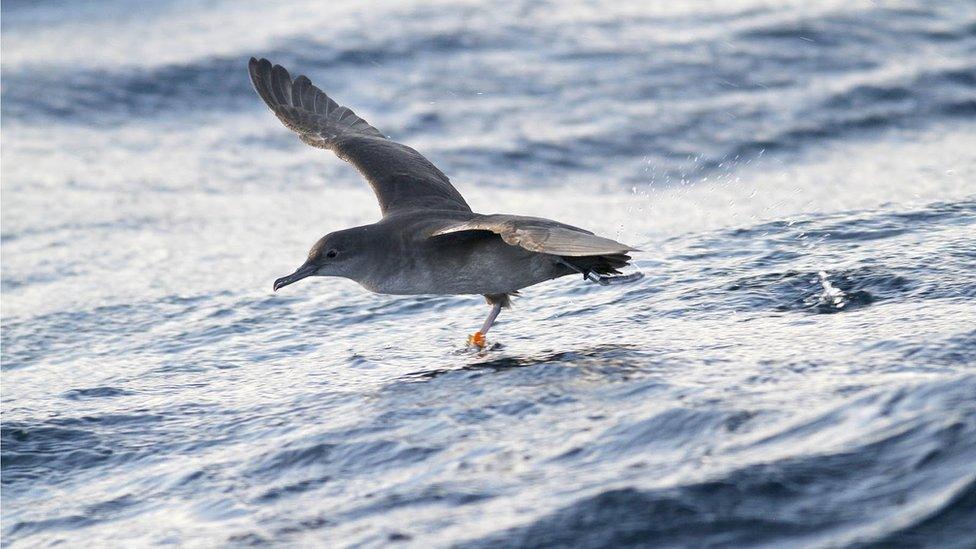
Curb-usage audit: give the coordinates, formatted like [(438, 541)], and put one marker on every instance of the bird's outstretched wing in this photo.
[(539, 235), (400, 176)]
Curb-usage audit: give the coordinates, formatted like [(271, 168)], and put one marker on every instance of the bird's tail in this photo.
[(604, 265)]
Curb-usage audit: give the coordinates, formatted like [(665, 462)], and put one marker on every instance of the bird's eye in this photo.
[(331, 253)]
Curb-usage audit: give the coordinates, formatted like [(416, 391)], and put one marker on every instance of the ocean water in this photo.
[(797, 368)]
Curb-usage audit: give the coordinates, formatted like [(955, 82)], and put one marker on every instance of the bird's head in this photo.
[(335, 254)]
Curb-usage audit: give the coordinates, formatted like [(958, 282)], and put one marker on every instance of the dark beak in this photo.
[(304, 271)]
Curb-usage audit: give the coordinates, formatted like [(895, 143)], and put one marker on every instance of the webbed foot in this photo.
[(477, 339), (606, 280)]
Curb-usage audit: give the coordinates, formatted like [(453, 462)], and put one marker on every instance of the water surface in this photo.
[(797, 367)]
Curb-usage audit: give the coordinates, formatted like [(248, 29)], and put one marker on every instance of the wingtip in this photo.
[(259, 71), (280, 73), (256, 62)]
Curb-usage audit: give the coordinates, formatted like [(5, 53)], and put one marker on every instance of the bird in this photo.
[(428, 240)]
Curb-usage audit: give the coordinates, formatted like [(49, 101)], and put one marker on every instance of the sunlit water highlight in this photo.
[(797, 365)]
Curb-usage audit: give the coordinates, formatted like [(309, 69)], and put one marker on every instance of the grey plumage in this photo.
[(400, 176), (428, 241), (539, 235)]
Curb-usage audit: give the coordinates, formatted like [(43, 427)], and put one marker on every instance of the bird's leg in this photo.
[(478, 338)]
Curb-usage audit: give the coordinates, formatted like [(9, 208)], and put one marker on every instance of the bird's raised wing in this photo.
[(539, 235), (400, 176)]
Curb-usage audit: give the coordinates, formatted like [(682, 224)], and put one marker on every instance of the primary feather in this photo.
[(401, 177)]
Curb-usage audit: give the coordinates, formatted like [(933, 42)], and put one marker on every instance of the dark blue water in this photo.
[(798, 367)]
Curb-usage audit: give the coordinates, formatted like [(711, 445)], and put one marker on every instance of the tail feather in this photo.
[(600, 264)]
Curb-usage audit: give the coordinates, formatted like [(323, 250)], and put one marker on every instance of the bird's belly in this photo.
[(489, 267)]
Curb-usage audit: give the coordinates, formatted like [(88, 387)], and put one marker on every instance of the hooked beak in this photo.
[(304, 271)]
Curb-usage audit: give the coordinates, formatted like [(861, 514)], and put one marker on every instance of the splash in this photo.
[(832, 297)]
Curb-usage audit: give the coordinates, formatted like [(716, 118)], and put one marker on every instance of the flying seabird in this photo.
[(428, 241)]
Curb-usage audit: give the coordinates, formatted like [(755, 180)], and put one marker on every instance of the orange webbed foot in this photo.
[(477, 339)]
